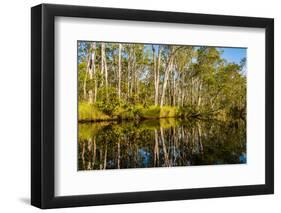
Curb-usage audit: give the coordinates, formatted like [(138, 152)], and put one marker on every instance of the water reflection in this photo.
[(161, 143)]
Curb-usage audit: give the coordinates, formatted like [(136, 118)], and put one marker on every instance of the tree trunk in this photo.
[(174, 88), (133, 67), (199, 94), (129, 70), (157, 75), (166, 76), (85, 79), (92, 71), (104, 68), (119, 71)]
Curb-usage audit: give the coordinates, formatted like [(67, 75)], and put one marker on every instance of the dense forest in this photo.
[(126, 81)]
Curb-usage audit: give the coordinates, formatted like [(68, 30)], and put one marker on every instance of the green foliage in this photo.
[(81, 77), (88, 112), (98, 112), (126, 115), (151, 112), (187, 111), (168, 112), (200, 82), (108, 101)]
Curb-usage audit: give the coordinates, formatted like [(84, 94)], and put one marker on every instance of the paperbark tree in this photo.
[(104, 68), (157, 76), (119, 71), (92, 72), (167, 73), (129, 70), (85, 79), (156, 70)]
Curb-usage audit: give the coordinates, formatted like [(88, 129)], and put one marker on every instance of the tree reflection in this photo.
[(161, 143)]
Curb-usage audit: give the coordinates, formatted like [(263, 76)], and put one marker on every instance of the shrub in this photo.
[(187, 111), (129, 112), (109, 101)]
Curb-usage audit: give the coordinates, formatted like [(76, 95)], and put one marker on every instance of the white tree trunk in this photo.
[(119, 71), (85, 80), (154, 72), (166, 77), (92, 71), (129, 70), (158, 75), (104, 67)]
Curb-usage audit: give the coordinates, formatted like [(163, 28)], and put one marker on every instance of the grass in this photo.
[(169, 112), (150, 112), (159, 112), (90, 112)]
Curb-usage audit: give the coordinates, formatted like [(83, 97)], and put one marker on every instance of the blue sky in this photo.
[(233, 55)]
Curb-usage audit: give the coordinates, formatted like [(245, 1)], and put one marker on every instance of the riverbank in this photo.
[(92, 113)]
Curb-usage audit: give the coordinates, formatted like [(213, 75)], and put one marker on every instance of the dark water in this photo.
[(161, 143)]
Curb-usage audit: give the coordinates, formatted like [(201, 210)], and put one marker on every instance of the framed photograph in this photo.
[(139, 106)]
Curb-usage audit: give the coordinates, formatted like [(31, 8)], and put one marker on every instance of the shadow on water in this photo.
[(160, 143)]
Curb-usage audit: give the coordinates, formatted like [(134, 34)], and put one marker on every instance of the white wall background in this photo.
[(15, 105)]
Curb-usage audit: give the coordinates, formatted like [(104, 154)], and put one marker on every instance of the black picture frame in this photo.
[(43, 102)]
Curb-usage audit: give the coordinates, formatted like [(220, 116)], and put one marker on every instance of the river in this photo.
[(160, 143)]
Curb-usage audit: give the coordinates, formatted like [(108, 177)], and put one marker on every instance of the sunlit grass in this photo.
[(168, 112), (88, 112), (159, 112), (91, 112)]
